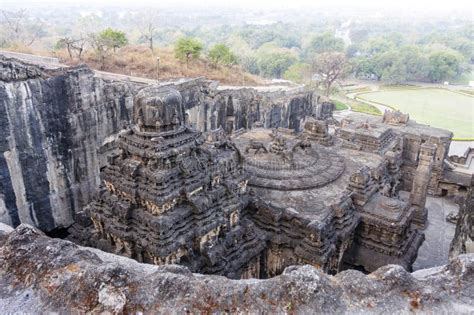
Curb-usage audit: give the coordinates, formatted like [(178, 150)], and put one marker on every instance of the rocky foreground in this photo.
[(39, 274)]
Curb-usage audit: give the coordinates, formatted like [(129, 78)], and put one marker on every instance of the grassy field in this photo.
[(364, 108), (343, 102), (339, 105), (436, 107)]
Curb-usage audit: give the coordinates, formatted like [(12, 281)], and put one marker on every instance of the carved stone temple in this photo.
[(247, 203)]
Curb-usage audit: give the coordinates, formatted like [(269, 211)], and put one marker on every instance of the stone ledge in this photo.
[(39, 274)]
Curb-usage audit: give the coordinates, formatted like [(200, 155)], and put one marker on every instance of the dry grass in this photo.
[(138, 61)]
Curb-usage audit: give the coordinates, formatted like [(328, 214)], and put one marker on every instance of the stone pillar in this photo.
[(421, 181), (324, 110)]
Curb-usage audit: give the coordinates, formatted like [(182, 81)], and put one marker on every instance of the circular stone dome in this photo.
[(158, 108), (304, 168)]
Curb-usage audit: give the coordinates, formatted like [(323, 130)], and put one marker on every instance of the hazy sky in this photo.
[(274, 4)]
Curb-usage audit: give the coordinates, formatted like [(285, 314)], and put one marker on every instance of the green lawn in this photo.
[(339, 105), (365, 108), (343, 102), (436, 107)]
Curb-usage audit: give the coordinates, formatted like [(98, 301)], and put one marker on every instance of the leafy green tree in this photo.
[(298, 72), (221, 54), (107, 41), (390, 67), (250, 63), (275, 63), (369, 67), (463, 46), (325, 42), (187, 48), (113, 38), (443, 65), (352, 50), (415, 62), (257, 36), (358, 33), (377, 45)]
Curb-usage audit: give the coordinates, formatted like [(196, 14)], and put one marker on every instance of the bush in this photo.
[(187, 48)]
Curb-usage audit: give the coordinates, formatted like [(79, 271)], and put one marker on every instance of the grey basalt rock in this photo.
[(57, 127), (39, 274), (463, 241), (52, 123)]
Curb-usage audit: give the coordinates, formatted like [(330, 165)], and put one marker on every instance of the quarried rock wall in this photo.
[(52, 125)]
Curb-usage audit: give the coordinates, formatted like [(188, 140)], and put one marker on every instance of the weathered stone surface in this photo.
[(39, 274), (463, 241), (170, 196), (52, 124), (395, 117), (57, 127)]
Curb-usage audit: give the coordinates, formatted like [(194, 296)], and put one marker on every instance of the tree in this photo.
[(246, 56), (352, 50), (275, 63), (393, 66), (20, 28), (221, 54), (147, 29), (443, 65), (113, 38), (147, 33), (325, 42), (389, 67), (107, 41), (187, 48), (298, 72), (415, 62), (72, 45), (377, 45), (330, 67)]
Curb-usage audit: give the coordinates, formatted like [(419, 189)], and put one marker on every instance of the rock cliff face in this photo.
[(210, 107), (40, 274), (53, 123), (463, 241)]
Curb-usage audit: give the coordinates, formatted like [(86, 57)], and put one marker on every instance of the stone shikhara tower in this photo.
[(421, 181), (170, 196)]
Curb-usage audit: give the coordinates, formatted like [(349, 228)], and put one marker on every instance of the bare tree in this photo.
[(330, 67), (148, 34), (19, 28), (73, 45), (79, 47), (148, 28), (100, 47)]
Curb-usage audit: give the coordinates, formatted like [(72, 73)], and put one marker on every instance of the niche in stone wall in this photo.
[(274, 119), (296, 112)]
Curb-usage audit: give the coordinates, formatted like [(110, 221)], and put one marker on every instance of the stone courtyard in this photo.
[(438, 234)]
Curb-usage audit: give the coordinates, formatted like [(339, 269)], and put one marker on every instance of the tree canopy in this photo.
[(275, 63), (187, 48), (325, 42), (220, 54), (113, 38), (443, 65)]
